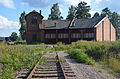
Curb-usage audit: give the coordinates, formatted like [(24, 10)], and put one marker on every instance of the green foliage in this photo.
[(71, 13), (22, 29), (96, 15), (112, 65), (43, 60), (13, 36), (55, 13), (16, 57), (106, 52), (83, 11), (115, 19), (80, 56), (106, 11), (61, 47)]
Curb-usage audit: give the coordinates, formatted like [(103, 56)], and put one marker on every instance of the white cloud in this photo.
[(45, 3), (72, 2), (37, 3), (98, 1), (6, 24), (8, 3), (75, 2)]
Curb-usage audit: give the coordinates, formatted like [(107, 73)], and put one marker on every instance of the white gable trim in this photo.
[(100, 22)]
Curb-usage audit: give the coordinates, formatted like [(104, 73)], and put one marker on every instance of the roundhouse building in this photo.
[(53, 31)]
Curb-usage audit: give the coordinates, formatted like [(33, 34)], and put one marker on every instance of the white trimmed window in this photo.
[(50, 35), (89, 35), (92, 35), (62, 35), (76, 35)]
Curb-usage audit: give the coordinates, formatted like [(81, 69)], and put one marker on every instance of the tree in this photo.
[(55, 13), (71, 13), (106, 11), (83, 10), (96, 15), (13, 36), (115, 19), (22, 29)]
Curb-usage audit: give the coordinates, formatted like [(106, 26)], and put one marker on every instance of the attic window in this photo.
[(34, 19)]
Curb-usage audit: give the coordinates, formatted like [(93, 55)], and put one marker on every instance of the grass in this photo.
[(112, 65), (80, 56), (98, 51), (15, 57)]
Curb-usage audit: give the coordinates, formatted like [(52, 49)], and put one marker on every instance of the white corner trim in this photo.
[(100, 22)]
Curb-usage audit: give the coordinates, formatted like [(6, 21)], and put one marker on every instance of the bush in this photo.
[(80, 56)]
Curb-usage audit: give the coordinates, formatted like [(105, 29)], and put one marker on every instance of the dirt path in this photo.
[(83, 71)]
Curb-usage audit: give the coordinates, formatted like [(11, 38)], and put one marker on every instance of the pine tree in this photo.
[(55, 13), (22, 29), (83, 10), (106, 11), (96, 15), (115, 19), (71, 13)]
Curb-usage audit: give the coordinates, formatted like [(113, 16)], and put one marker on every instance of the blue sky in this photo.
[(10, 10)]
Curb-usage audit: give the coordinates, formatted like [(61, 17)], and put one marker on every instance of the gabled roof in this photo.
[(34, 12), (86, 23), (78, 23)]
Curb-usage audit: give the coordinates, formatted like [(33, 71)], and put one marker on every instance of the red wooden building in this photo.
[(53, 31)]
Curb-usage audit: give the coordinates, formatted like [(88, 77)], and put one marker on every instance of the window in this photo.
[(50, 36), (62, 35), (34, 37), (76, 35), (34, 19), (86, 35), (89, 35)]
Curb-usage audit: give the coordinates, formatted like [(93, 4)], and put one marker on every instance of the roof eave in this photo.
[(100, 22)]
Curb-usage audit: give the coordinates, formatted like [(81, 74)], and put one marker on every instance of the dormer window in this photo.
[(34, 19)]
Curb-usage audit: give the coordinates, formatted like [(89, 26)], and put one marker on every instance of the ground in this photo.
[(83, 71)]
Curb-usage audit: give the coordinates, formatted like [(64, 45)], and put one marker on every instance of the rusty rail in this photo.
[(55, 69), (33, 70), (66, 69)]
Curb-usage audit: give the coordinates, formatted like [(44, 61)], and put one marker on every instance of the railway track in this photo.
[(55, 67)]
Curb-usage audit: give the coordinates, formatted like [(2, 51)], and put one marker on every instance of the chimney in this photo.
[(40, 12)]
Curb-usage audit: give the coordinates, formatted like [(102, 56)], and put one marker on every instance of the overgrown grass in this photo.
[(99, 51), (80, 56), (112, 65), (15, 57)]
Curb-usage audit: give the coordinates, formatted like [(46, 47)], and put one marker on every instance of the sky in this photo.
[(10, 10)]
